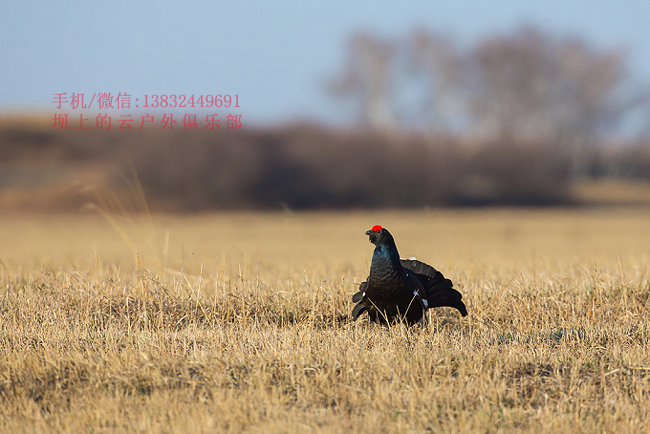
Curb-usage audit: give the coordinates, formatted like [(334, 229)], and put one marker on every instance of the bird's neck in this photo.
[(385, 259)]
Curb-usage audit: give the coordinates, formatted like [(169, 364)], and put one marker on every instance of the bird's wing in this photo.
[(358, 310), (362, 291), (358, 298), (415, 284)]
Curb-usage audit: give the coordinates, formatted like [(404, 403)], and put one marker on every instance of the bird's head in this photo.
[(380, 236)]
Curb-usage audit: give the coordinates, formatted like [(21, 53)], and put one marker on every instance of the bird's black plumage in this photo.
[(401, 289)]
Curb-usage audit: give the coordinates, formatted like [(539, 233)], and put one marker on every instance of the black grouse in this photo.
[(401, 289)]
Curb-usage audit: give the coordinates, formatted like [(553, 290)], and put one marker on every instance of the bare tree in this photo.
[(436, 58), (368, 78)]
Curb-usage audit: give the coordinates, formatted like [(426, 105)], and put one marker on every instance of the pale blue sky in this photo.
[(274, 54)]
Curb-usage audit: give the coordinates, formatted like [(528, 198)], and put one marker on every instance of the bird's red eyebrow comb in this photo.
[(376, 228)]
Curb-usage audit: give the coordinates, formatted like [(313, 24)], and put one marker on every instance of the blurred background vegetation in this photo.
[(521, 118)]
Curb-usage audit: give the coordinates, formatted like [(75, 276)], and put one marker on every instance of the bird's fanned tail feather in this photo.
[(440, 291), (419, 267), (447, 297)]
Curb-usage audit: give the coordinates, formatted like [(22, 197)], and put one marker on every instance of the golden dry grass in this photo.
[(237, 323)]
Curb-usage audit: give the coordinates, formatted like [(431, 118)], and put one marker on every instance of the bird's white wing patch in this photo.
[(424, 300)]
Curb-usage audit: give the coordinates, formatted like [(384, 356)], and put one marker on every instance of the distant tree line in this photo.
[(303, 167), (524, 87)]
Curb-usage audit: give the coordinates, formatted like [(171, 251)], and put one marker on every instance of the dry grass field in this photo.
[(238, 323)]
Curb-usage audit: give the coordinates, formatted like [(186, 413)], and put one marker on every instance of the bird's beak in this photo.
[(368, 232)]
